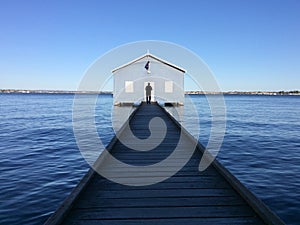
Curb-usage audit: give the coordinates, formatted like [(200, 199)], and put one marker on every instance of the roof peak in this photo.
[(148, 54)]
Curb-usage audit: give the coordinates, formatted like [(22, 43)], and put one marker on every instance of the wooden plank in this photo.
[(175, 181), (101, 182), (163, 212), (185, 171), (92, 202), (115, 173), (164, 193), (166, 186), (176, 221)]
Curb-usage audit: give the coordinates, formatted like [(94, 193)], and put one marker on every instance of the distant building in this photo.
[(165, 78)]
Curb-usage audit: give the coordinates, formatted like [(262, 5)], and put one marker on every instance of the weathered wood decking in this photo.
[(189, 197)]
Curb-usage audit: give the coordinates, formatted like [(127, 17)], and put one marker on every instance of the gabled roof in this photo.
[(153, 57)]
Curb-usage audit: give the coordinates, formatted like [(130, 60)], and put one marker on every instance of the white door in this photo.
[(152, 92)]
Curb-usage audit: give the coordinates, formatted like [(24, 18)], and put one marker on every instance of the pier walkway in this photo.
[(214, 196)]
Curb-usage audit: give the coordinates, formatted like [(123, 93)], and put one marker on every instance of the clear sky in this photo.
[(248, 44)]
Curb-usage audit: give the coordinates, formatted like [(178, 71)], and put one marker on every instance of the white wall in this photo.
[(137, 73)]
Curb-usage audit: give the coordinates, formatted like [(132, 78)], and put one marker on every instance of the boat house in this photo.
[(166, 81)]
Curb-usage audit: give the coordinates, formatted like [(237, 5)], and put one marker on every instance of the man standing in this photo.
[(148, 93)]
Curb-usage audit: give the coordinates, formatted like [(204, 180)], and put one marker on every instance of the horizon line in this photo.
[(110, 91)]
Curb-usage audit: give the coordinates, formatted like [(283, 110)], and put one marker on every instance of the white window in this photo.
[(128, 86), (168, 86)]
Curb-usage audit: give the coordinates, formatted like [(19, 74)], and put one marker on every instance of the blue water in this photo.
[(40, 162), (262, 148)]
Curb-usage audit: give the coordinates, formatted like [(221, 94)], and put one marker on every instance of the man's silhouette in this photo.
[(148, 93)]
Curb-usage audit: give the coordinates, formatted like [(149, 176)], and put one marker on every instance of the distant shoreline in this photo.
[(294, 92)]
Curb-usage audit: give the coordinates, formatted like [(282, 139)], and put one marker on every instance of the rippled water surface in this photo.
[(262, 147), (40, 162)]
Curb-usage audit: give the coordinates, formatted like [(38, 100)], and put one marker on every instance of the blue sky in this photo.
[(248, 44)]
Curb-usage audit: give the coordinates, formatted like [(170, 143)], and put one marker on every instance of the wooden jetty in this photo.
[(214, 196)]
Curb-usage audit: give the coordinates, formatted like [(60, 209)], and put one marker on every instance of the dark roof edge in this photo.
[(152, 56)]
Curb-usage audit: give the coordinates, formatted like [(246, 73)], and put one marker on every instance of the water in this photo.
[(262, 148), (40, 161)]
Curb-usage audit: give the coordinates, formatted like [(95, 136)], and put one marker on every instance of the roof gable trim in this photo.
[(153, 57)]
